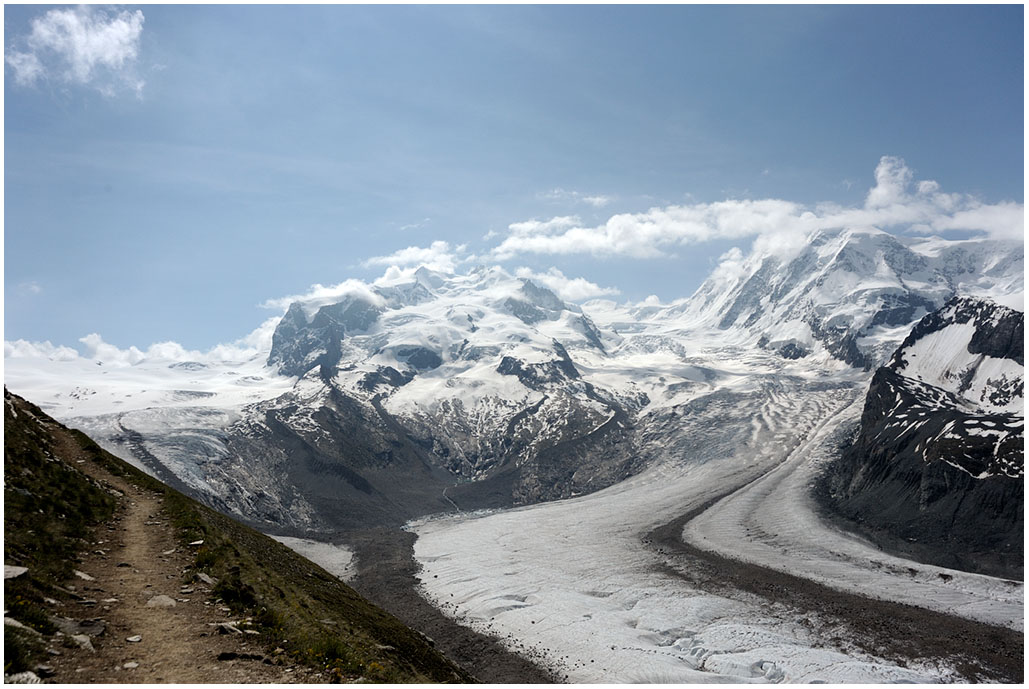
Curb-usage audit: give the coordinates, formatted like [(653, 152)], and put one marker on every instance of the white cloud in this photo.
[(543, 227), (563, 195), (892, 178), (26, 66), (22, 349), (894, 202), (85, 46), (319, 295), (1005, 220), (29, 288), (416, 225), (650, 234), (437, 256), (256, 343), (569, 289)]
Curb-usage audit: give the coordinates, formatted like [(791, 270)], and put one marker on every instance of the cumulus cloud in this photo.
[(319, 295), (437, 256), (892, 179), (650, 234), (86, 46), (570, 289), (563, 195), (23, 349), (895, 201), (253, 344), (543, 227), (1006, 220)]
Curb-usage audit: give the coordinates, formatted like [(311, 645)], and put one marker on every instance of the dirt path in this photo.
[(146, 619)]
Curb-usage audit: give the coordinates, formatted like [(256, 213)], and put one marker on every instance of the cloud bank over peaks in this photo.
[(84, 46), (320, 295), (575, 290), (896, 201), (96, 349), (23, 349), (437, 256)]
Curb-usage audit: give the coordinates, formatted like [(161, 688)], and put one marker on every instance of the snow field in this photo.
[(573, 582)]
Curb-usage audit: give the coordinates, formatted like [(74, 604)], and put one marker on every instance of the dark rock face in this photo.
[(900, 309), (542, 297), (419, 358), (929, 474), (791, 350), (299, 346), (524, 311), (536, 304), (840, 342), (589, 329), (537, 376), (386, 375)]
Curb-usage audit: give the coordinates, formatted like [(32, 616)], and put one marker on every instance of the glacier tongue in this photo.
[(576, 581)]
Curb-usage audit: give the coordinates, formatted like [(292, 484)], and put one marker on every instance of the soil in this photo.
[(135, 558), (894, 631), (387, 577)]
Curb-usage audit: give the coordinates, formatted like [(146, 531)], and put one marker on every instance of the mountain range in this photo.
[(433, 392)]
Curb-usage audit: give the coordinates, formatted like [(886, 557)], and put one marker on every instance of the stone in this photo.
[(82, 641), (91, 627), (134, 639), (207, 579), (11, 622), (22, 678), (161, 601), (83, 575), (226, 628), (11, 571), (130, 665), (232, 655)]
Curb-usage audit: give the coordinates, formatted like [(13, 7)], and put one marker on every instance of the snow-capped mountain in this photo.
[(938, 466), (429, 391), (848, 292)]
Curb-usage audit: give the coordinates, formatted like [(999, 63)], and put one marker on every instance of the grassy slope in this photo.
[(295, 604), (49, 508)]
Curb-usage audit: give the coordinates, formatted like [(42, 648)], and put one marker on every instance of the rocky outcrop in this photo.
[(937, 473), (299, 346)]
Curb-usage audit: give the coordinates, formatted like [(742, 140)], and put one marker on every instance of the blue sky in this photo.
[(165, 179)]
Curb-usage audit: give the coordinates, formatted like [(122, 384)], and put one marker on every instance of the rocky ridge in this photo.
[(937, 467)]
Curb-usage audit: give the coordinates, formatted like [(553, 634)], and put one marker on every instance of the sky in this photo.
[(171, 173)]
